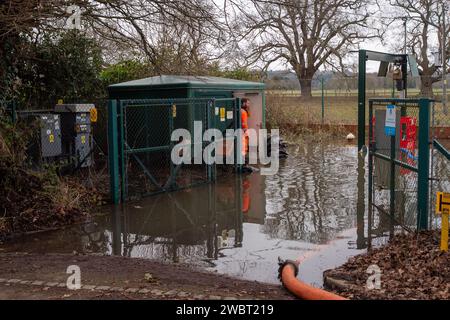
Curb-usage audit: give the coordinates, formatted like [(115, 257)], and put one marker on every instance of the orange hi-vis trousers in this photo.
[(244, 126)]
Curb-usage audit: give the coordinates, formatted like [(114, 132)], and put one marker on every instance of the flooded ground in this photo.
[(312, 210), (240, 225)]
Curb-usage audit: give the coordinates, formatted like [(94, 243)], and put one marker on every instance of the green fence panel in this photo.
[(424, 164), (113, 151), (399, 165), (144, 144)]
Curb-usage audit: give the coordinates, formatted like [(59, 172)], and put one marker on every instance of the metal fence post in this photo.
[(173, 173), (210, 107), (423, 165), (113, 151), (207, 119), (362, 99), (370, 151), (238, 140), (122, 147), (392, 186), (323, 99)]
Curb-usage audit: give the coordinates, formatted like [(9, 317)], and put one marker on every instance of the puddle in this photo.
[(311, 210)]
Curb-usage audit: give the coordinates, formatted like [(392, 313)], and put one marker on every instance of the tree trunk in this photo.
[(305, 88), (426, 86)]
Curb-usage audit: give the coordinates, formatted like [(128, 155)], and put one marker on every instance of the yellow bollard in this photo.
[(443, 207), (444, 230)]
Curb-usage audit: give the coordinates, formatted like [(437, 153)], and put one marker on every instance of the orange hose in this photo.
[(302, 290)]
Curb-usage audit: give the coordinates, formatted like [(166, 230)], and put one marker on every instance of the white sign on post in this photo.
[(390, 123)]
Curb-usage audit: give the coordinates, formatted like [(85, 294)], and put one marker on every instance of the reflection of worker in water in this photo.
[(245, 195), (245, 109)]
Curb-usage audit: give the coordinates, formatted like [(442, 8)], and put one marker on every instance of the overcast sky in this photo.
[(393, 42)]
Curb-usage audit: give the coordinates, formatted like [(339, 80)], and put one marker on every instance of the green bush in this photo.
[(124, 71), (60, 65)]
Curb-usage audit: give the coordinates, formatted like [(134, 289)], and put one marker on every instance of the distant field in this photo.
[(284, 109), (351, 93), (289, 110)]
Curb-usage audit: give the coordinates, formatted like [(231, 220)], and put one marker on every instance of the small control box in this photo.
[(50, 135), (76, 132)]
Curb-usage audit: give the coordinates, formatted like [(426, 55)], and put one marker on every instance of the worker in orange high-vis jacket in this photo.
[(245, 109)]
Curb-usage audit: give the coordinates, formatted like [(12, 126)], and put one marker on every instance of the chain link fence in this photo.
[(398, 164), (144, 130), (145, 148), (440, 157), (333, 101), (67, 143)]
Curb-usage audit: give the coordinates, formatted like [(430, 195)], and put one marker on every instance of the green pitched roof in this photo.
[(169, 82)]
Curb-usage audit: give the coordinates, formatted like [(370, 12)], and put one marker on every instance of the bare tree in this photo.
[(425, 20), (21, 16), (140, 25), (306, 34), (150, 25), (187, 48), (169, 36)]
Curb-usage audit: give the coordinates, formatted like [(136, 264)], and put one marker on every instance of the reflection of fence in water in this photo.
[(188, 226), (146, 128)]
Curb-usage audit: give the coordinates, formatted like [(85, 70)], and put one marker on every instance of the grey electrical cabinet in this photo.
[(76, 132), (50, 135)]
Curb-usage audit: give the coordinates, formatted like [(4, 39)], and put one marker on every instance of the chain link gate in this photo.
[(140, 144), (399, 165), (440, 157)]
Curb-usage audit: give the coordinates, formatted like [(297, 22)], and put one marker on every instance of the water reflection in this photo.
[(312, 197), (361, 241), (187, 226), (311, 210)]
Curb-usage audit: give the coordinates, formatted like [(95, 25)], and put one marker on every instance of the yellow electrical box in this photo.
[(442, 202), (93, 114), (443, 207)]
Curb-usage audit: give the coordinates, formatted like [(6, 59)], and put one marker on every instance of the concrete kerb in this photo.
[(103, 288)]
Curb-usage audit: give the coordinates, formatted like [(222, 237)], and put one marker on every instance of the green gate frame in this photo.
[(113, 152), (385, 59), (423, 167), (117, 147)]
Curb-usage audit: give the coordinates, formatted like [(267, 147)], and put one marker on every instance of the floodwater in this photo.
[(242, 224), (313, 210)]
